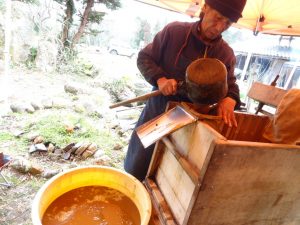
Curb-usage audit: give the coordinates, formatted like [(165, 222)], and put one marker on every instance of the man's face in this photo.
[(213, 23)]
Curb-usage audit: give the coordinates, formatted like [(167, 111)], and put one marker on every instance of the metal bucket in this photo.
[(206, 81)]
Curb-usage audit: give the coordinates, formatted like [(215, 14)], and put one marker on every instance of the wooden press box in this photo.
[(201, 176)]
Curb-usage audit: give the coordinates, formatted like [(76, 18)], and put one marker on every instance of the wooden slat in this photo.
[(250, 127), (161, 214), (172, 180), (188, 167), (194, 141), (155, 160), (266, 94)]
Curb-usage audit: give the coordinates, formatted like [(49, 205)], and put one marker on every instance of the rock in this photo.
[(99, 153), (79, 108), (67, 155), (18, 133), (29, 109), (38, 139), (60, 103), (68, 147), (17, 108), (41, 147), (47, 103), (89, 151), (103, 161), (69, 128), (76, 146), (37, 105), (50, 173), (35, 169), (32, 136), (32, 149), (51, 148), (118, 146), (58, 151), (73, 89), (82, 148), (24, 166), (20, 164), (38, 148)]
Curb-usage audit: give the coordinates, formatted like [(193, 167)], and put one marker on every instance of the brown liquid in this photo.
[(92, 205)]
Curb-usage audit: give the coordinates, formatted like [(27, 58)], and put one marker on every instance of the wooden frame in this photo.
[(202, 176)]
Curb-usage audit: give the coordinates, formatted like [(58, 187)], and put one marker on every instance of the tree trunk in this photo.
[(5, 90), (67, 23), (7, 41), (84, 21)]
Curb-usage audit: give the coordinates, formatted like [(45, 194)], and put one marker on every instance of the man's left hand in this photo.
[(225, 109)]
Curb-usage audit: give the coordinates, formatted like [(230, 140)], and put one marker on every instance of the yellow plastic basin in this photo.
[(89, 176)]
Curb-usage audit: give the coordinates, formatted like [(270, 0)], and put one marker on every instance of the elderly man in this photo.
[(164, 61)]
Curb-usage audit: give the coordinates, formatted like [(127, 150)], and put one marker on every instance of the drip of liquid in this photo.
[(92, 205)]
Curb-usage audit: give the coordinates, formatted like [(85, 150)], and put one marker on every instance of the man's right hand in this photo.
[(167, 86)]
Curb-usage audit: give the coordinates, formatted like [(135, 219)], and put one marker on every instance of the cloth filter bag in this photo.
[(284, 127)]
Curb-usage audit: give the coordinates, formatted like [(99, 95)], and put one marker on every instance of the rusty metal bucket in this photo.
[(206, 81)]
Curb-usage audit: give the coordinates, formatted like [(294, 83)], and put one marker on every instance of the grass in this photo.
[(52, 128), (17, 145)]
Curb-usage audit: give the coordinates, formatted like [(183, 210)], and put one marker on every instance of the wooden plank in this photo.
[(161, 213), (172, 179), (250, 183), (266, 94), (155, 160), (250, 127), (194, 141), (188, 168)]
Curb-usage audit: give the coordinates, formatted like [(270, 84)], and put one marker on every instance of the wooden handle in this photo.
[(137, 99)]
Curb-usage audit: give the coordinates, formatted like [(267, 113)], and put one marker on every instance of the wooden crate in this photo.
[(202, 176)]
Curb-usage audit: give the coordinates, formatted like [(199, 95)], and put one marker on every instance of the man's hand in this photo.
[(225, 109), (167, 86)]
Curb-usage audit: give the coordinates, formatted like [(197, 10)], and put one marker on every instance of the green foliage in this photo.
[(110, 4), (30, 61), (116, 86), (96, 17), (2, 5), (16, 144), (33, 2), (70, 63), (5, 137), (94, 32), (53, 129)]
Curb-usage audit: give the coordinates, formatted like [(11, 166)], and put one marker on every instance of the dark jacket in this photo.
[(175, 47), (172, 50)]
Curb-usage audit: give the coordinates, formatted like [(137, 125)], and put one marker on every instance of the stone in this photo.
[(89, 151), (38, 139)]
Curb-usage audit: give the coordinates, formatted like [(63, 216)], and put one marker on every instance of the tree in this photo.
[(87, 16), (143, 34)]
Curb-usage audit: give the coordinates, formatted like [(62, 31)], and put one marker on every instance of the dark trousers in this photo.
[(138, 158)]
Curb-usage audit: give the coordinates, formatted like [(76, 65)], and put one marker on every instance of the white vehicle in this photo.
[(122, 50)]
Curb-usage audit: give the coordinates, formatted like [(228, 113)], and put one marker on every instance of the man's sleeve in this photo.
[(149, 57)]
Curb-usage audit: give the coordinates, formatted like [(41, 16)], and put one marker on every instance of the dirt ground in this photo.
[(23, 86)]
